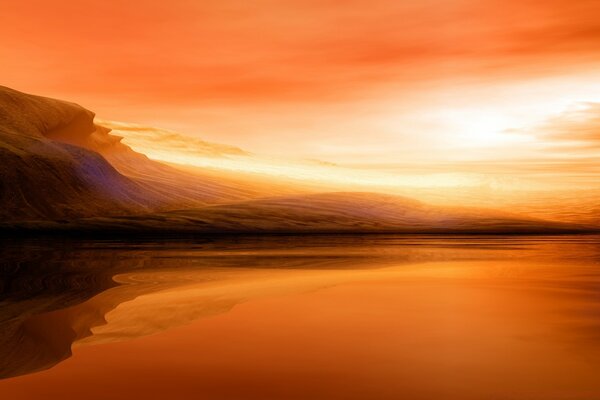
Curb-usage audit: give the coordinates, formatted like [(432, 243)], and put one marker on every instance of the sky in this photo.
[(498, 87)]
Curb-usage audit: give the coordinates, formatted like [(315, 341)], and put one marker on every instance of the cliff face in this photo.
[(39, 117), (57, 164), (48, 169)]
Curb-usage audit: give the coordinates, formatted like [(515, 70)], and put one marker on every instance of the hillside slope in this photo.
[(41, 178), (339, 212), (57, 164)]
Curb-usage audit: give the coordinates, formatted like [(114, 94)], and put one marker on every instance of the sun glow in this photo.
[(336, 177), (477, 127)]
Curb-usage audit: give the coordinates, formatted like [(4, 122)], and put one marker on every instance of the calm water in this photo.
[(376, 317)]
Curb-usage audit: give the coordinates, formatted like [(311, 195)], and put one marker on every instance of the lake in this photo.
[(291, 317)]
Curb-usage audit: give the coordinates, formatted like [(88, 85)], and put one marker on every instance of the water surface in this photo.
[(324, 317)]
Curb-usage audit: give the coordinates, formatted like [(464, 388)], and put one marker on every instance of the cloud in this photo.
[(151, 140), (575, 129), (298, 50)]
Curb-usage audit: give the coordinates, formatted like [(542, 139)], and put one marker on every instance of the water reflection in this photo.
[(475, 300)]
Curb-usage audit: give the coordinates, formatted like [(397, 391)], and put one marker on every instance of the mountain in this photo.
[(61, 171), (44, 178), (57, 164), (341, 212)]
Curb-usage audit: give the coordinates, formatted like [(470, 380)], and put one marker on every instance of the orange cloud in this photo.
[(150, 140), (576, 129), (302, 50)]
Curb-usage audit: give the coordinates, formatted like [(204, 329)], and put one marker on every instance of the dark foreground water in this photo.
[(372, 317)]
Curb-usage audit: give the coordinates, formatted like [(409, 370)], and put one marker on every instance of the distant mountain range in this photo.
[(60, 171)]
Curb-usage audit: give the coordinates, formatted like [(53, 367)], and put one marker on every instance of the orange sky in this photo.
[(367, 82)]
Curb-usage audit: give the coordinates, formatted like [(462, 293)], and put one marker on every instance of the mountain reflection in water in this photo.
[(300, 317)]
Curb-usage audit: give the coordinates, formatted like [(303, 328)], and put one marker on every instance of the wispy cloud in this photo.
[(156, 141), (577, 129)]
